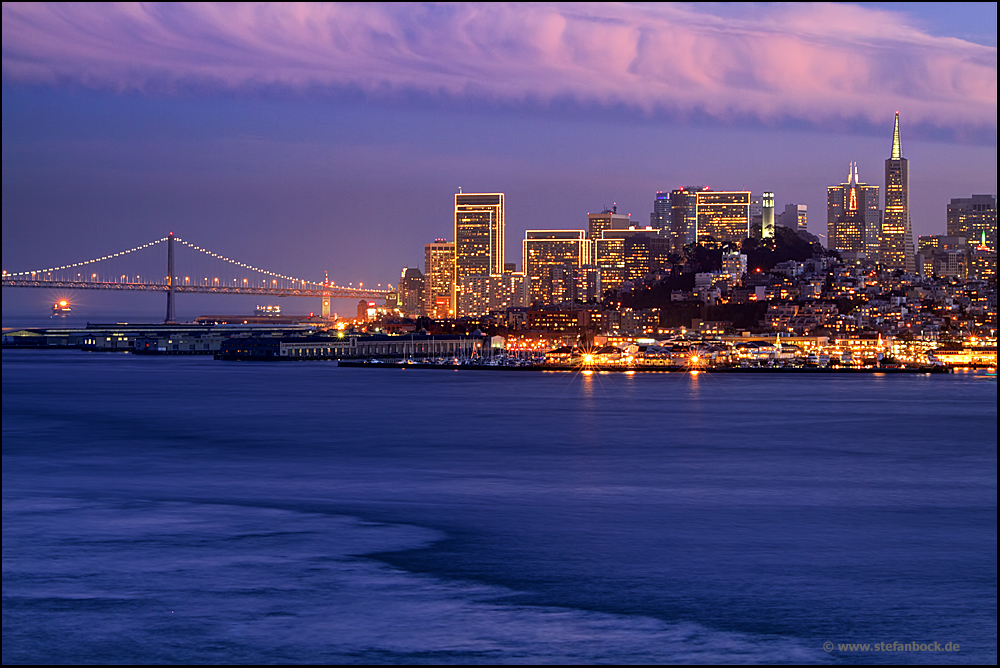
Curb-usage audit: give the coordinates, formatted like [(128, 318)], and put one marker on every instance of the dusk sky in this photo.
[(304, 138)]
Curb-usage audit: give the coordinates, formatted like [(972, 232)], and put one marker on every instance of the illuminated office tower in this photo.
[(439, 276), (609, 219), (610, 254), (479, 229), (545, 250), (410, 292), (974, 218), (853, 216), (767, 216), (849, 228), (684, 216), (897, 234), (661, 217), (571, 283), (723, 216), (478, 295), (588, 284), (631, 255)]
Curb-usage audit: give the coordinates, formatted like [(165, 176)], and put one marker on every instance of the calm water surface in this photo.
[(188, 510)]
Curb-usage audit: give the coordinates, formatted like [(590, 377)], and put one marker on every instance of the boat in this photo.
[(61, 308)]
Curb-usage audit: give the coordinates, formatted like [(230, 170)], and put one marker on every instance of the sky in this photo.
[(305, 138)]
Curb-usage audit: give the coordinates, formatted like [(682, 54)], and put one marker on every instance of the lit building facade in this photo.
[(473, 295), (943, 255), (853, 216), (983, 264), (610, 252), (734, 265), (897, 233), (558, 321), (767, 216), (723, 216), (609, 219), (974, 218), (479, 231), (933, 243), (508, 290), (570, 283), (479, 295), (439, 278), (410, 292), (951, 263), (684, 216), (661, 217), (631, 255), (547, 249)]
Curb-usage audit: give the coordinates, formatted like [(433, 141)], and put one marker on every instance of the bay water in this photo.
[(182, 509)]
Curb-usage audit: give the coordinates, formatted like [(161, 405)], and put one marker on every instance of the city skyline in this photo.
[(499, 333), (355, 175)]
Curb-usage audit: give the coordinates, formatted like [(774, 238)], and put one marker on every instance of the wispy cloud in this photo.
[(811, 62)]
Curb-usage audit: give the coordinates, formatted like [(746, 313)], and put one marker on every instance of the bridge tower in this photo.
[(170, 278), (326, 295)]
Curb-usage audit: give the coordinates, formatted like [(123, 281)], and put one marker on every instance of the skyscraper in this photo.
[(974, 218), (724, 216), (439, 276), (546, 250), (631, 255), (684, 216), (479, 229), (897, 234), (853, 216), (609, 219), (661, 218), (410, 291)]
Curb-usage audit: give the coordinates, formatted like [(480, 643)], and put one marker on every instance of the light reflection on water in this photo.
[(516, 517)]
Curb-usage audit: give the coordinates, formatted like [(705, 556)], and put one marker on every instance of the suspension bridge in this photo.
[(205, 272)]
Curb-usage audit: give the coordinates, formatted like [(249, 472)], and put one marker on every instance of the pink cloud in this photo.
[(805, 61)]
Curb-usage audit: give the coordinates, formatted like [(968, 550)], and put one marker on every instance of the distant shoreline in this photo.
[(640, 369)]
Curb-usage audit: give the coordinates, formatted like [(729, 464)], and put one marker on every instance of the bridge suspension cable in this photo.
[(243, 265), (85, 263)]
